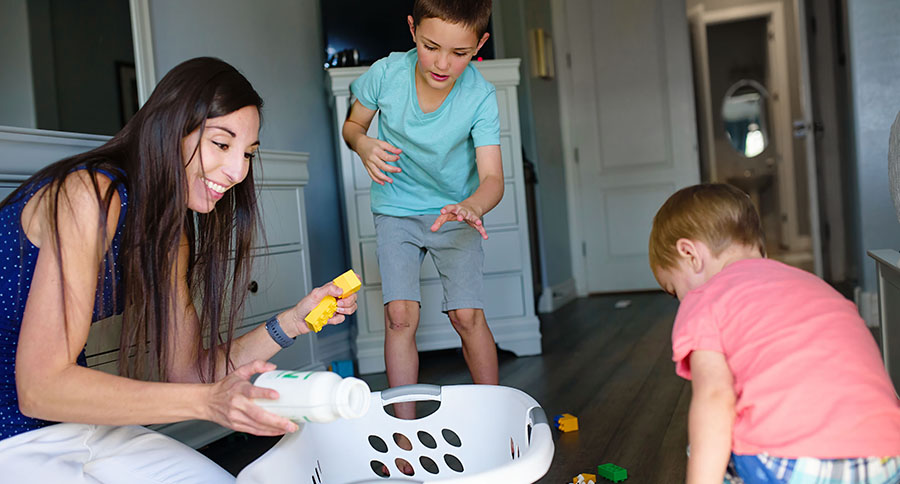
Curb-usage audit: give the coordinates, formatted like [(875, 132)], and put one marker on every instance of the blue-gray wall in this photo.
[(875, 78), (541, 133), (16, 90), (277, 44)]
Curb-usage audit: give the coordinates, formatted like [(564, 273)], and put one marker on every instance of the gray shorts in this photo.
[(402, 243)]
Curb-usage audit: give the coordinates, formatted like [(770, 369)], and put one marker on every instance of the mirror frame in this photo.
[(732, 89), (143, 48)]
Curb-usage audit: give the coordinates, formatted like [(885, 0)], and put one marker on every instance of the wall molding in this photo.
[(557, 296)]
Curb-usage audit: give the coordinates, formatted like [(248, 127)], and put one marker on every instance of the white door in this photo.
[(629, 123)]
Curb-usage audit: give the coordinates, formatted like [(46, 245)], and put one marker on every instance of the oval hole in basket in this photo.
[(512, 448), (378, 444), (453, 462), (427, 440), (422, 409), (380, 469), (528, 431), (451, 437), (402, 441), (428, 464), (404, 466)]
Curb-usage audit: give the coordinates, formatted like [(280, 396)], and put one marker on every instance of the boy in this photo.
[(436, 171), (788, 384)]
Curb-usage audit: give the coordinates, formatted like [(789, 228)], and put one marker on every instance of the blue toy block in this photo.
[(342, 367)]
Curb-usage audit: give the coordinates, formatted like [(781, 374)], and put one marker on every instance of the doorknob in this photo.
[(801, 128)]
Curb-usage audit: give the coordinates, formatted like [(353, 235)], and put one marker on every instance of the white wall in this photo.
[(278, 46), (16, 92), (875, 78)]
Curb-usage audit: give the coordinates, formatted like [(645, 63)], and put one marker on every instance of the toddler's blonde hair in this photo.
[(716, 214)]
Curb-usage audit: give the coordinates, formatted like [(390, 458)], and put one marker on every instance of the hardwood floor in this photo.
[(609, 367)]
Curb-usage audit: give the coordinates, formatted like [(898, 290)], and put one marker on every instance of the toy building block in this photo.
[(566, 422), (323, 311), (584, 478), (348, 282), (320, 315), (612, 472), (342, 367)]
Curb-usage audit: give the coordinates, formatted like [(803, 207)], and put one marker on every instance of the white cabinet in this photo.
[(280, 267), (509, 305)]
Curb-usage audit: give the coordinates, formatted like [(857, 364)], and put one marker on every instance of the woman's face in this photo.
[(222, 158)]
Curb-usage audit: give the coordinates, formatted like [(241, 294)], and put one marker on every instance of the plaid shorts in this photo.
[(763, 468)]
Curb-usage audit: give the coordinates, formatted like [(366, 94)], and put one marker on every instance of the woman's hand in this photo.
[(293, 320), (231, 403)]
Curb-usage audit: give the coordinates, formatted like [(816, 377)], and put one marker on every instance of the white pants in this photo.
[(95, 454)]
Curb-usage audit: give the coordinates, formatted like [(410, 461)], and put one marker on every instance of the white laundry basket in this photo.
[(479, 434)]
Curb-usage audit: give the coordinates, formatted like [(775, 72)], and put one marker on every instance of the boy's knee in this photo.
[(400, 316), (465, 319)]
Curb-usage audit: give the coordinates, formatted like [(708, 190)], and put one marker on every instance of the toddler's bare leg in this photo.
[(478, 345), (401, 357)]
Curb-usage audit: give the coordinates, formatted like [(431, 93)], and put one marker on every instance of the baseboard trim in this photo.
[(557, 296), (333, 346), (867, 303)]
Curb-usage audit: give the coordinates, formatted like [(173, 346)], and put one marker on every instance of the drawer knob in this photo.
[(253, 287)]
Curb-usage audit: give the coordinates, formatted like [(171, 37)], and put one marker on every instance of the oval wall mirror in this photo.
[(744, 116)]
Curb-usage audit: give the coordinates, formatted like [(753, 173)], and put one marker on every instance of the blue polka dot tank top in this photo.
[(17, 259)]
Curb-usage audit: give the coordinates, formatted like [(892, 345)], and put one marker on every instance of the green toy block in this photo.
[(612, 472)]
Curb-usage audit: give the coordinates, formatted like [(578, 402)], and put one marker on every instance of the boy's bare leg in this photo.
[(479, 349), (401, 356)]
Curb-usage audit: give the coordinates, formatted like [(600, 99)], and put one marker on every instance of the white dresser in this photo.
[(508, 296), (281, 268)]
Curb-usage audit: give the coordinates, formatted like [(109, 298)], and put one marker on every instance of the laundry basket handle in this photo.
[(411, 393)]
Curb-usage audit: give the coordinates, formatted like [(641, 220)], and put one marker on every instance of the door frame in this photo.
[(577, 246), (700, 19)]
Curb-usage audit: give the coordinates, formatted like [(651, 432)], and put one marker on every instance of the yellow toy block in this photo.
[(568, 423), (348, 282), (584, 478), (319, 316)]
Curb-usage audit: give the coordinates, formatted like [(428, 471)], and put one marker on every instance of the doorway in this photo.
[(629, 131), (752, 111)]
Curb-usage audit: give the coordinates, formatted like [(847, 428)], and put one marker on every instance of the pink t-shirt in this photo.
[(808, 375)]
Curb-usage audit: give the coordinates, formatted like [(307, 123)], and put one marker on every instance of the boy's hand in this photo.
[(375, 155), (460, 213)]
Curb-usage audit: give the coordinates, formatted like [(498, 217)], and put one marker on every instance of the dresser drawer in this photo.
[(280, 211), (503, 298), (278, 282)]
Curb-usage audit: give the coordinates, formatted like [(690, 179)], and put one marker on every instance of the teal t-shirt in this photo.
[(438, 159)]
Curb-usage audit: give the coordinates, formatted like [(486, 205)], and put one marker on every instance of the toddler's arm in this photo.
[(374, 153), (710, 418), (486, 196)]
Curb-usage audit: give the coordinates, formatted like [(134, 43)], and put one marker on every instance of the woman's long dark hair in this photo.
[(147, 153)]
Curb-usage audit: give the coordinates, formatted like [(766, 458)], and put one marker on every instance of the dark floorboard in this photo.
[(609, 367)]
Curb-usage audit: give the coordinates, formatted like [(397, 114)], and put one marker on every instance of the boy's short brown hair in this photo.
[(474, 14), (714, 213)]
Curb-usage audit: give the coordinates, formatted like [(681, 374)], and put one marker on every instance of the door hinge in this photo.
[(568, 60), (577, 157), (584, 249)]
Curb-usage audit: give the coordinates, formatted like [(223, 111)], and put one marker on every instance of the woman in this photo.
[(141, 226)]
